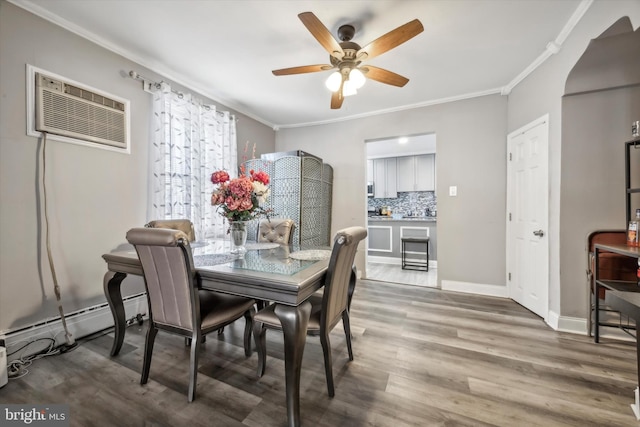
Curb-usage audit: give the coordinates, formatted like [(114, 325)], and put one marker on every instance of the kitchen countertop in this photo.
[(413, 218)]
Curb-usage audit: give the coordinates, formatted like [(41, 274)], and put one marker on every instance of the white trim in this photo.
[(475, 288), (390, 238), (574, 325), (402, 228), (553, 319), (395, 109), (552, 48), (80, 323)]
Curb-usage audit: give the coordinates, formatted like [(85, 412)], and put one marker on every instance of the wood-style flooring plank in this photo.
[(423, 357)]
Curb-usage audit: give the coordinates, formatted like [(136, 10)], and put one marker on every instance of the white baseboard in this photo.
[(574, 325), (80, 324), (395, 261), (475, 288)]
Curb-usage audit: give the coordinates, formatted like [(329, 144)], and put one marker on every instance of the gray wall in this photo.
[(95, 195), (541, 93), (471, 154)]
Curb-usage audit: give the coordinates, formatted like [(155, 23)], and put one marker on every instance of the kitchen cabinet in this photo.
[(416, 173), (384, 178), (384, 238), (370, 177)]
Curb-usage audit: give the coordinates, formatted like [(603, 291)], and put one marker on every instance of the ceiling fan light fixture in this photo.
[(357, 78), (349, 88), (333, 81)]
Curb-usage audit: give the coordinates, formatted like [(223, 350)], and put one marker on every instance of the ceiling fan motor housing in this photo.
[(346, 32)]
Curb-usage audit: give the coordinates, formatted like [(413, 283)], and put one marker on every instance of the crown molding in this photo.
[(552, 47)]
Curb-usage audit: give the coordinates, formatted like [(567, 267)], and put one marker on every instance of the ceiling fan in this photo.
[(347, 57)]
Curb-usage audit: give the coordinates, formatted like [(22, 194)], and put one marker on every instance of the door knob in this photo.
[(538, 233)]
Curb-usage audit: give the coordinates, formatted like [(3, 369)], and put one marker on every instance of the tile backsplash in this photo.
[(408, 203)]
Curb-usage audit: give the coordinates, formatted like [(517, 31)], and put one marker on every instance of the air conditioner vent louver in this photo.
[(71, 111)]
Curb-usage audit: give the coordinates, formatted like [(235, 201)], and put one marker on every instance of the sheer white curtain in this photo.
[(190, 141)]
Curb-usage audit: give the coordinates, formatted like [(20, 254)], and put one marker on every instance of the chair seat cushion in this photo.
[(268, 316), (217, 308)]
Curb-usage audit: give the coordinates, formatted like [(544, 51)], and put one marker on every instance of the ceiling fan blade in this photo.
[(337, 97), (322, 34), (384, 76), (302, 69), (390, 40)]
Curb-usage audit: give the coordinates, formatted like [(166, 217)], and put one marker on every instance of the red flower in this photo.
[(260, 176), (219, 177)]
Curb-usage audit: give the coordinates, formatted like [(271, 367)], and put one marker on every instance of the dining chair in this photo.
[(326, 311), (276, 230), (183, 225), (176, 304)]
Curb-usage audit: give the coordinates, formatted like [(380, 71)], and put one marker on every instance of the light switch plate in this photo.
[(453, 190)]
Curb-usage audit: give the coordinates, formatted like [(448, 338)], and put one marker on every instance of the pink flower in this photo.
[(246, 204), (241, 187), (239, 199)]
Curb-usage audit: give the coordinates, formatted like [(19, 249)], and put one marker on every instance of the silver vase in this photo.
[(238, 232)]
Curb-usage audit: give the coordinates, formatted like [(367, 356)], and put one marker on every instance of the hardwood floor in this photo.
[(423, 357), (395, 274)]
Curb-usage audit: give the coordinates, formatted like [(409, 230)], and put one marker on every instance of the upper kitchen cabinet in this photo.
[(384, 178), (370, 176), (416, 173)]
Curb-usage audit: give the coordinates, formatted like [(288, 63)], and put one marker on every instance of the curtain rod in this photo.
[(148, 84)]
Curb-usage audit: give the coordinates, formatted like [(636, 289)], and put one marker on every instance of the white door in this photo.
[(528, 216)]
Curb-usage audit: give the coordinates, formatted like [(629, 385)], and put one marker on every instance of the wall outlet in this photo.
[(453, 191)]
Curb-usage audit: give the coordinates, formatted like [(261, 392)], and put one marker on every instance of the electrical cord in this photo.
[(18, 368), (56, 287)]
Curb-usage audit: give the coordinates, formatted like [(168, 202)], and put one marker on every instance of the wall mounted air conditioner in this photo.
[(74, 111)]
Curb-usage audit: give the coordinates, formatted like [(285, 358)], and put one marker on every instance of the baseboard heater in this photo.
[(81, 323)]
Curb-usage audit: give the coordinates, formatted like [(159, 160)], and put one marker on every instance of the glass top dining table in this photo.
[(284, 274)]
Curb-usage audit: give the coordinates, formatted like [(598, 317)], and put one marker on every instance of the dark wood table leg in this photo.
[(112, 283), (294, 321)]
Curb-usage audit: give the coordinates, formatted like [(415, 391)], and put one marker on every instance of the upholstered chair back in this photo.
[(168, 269), (276, 230), (335, 297), (183, 225)]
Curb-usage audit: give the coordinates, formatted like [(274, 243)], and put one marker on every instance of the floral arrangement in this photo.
[(239, 199)]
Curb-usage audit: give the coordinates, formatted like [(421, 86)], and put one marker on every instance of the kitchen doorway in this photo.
[(401, 202)]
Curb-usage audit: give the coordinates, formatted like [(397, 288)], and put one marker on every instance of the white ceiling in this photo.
[(403, 145), (227, 49)]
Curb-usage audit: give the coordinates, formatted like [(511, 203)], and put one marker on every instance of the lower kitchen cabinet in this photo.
[(384, 236)]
